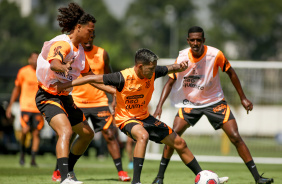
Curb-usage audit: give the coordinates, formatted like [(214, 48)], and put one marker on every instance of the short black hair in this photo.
[(196, 29), (145, 56)]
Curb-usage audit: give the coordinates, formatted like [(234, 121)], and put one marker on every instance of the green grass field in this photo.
[(93, 171)]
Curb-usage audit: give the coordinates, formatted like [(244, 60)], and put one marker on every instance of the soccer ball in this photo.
[(206, 177)]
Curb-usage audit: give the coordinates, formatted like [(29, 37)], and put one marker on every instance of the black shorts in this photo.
[(33, 120), (50, 105), (157, 130), (101, 117), (217, 114)]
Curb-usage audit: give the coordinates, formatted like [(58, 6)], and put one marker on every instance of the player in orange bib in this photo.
[(94, 104), (197, 92), (62, 59), (134, 91), (31, 119)]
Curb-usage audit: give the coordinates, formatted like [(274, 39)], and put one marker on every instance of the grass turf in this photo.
[(93, 171)]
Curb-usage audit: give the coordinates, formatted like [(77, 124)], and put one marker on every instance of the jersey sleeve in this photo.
[(222, 62), (114, 79), (160, 71), (59, 50), (20, 78)]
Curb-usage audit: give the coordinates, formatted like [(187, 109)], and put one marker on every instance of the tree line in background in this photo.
[(250, 29)]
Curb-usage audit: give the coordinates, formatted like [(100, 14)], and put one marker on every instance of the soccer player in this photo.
[(31, 119), (197, 92), (62, 59), (94, 103), (134, 91)]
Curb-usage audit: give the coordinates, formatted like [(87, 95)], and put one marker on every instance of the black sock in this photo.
[(63, 167), (163, 165), (22, 149), (138, 165), (253, 169), (33, 154), (118, 164), (194, 166), (72, 160)]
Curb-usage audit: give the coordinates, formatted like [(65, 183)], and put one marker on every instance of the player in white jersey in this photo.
[(62, 59), (197, 92)]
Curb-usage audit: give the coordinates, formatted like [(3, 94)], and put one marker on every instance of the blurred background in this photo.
[(248, 32)]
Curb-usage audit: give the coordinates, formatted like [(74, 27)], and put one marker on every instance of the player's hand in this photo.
[(67, 67), (183, 66), (9, 112), (58, 86), (248, 105), (158, 112)]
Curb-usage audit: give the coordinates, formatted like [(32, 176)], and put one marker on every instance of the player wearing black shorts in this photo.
[(134, 91), (31, 119), (197, 92)]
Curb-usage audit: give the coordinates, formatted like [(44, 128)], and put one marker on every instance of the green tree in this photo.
[(18, 35), (159, 25), (253, 26)]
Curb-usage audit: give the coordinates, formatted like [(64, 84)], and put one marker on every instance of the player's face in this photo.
[(147, 71), (89, 45), (32, 60), (196, 42), (86, 32)]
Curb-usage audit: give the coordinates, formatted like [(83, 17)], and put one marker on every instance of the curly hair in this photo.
[(72, 15)]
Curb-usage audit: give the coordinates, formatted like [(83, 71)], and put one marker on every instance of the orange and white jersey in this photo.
[(87, 96), (60, 48), (133, 100), (199, 85), (26, 80)]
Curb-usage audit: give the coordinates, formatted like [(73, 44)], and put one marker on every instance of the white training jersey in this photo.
[(46, 76), (199, 85)]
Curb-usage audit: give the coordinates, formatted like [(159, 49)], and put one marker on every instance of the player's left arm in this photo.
[(248, 105), (177, 67)]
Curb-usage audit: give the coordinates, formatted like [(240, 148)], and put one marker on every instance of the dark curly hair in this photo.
[(72, 15)]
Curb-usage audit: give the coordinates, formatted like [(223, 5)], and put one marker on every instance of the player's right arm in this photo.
[(166, 91)]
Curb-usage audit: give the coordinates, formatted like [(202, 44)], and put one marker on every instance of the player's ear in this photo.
[(204, 39)]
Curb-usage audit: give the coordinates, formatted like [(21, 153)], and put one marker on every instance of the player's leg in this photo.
[(231, 130), (114, 150), (61, 125), (139, 133), (179, 126), (80, 144), (25, 124), (176, 142), (37, 125)]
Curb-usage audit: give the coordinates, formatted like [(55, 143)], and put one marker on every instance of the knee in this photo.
[(89, 135), (235, 138), (180, 144), (65, 134), (143, 137)]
